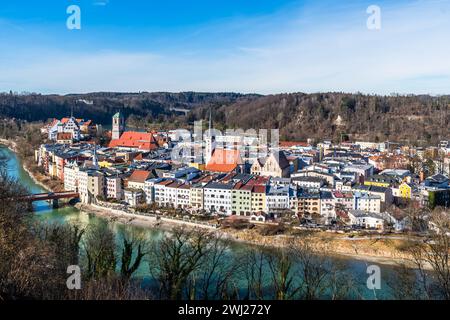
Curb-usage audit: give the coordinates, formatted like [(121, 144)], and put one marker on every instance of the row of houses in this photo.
[(227, 194)]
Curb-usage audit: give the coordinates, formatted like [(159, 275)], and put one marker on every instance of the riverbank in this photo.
[(371, 249), (40, 179)]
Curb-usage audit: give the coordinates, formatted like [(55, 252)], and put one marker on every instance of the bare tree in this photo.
[(133, 245), (426, 274), (109, 288), (175, 258), (281, 265), (216, 277), (319, 273), (255, 272), (431, 257), (99, 249), (404, 283)]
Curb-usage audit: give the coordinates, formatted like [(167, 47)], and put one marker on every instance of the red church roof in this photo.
[(137, 140), (224, 160)]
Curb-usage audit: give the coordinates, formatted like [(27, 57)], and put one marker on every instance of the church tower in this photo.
[(118, 126), (210, 141)]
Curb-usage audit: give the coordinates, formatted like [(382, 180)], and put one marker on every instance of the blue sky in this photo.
[(262, 46)]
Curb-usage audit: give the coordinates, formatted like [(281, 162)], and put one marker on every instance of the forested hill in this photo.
[(344, 116), (297, 115), (102, 105)]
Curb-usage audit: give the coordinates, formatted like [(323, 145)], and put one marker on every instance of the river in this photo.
[(71, 215)]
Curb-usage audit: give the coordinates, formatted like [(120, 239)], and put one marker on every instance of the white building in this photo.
[(372, 145), (343, 200), (384, 193), (164, 196), (71, 177), (149, 189), (277, 198), (114, 188), (327, 204), (368, 203), (217, 197), (183, 196), (362, 171), (82, 177), (368, 220), (308, 182), (91, 184), (66, 125), (71, 126), (133, 197), (138, 178)]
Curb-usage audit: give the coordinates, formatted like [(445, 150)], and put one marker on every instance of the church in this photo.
[(133, 140)]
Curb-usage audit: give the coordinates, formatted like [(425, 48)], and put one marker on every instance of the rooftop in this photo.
[(224, 160), (139, 176)]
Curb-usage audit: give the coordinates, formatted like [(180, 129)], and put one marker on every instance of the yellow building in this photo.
[(196, 197), (405, 190), (376, 184), (259, 199), (105, 164), (380, 181), (241, 200), (199, 166)]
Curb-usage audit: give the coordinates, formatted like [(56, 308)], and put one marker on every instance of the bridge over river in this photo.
[(51, 197)]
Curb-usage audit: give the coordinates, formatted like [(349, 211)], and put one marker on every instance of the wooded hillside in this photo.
[(298, 116)]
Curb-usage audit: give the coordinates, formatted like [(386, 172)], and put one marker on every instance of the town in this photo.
[(313, 184)]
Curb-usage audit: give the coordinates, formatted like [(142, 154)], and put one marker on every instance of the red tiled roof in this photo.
[(64, 136), (342, 214), (238, 186), (259, 189), (228, 177), (339, 194), (65, 120), (247, 187), (174, 184), (54, 122), (204, 178), (224, 160), (140, 140), (165, 182), (139, 176)]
